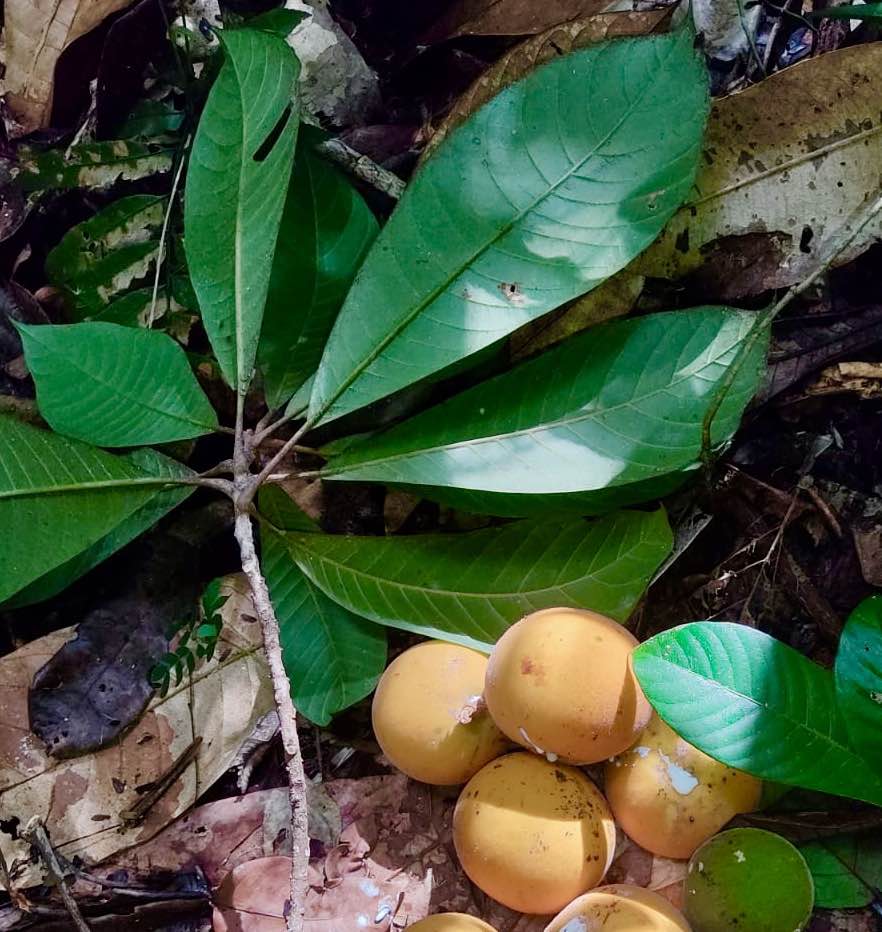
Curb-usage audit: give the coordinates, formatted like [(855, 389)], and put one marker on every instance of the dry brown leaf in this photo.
[(635, 865), (37, 32), (788, 163), (253, 896), (509, 17), (526, 56), (81, 800), (862, 378)]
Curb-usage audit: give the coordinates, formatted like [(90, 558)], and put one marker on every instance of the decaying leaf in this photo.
[(727, 27), (337, 88), (524, 57), (91, 165), (788, 163), (863, 379), (253, 897), (509, 17), (37, 32), (82, 800)]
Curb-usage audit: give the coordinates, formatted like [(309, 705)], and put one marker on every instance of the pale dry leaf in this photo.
[(36, 33), (528, 55), (789, 164), (81, 800), (727, 27), (338, 89), (863, 379)]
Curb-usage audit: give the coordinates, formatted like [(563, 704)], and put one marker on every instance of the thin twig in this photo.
[(288, 447), (35, 833), (363, 168), (245, 485), (164, 232)]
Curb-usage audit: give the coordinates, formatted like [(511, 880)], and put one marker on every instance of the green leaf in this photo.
[(325, 231), (755, 704), (868, 11), (611, 416), (847, 870), (332, 656), (60, 497), (149, 118), (858, 675), (115, 386), (468, 588), (236, 183), (91, 165), (101, 257), (546, 191), (160, 502)]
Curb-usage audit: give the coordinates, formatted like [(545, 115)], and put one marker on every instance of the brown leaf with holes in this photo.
[(37, 32), (528, 55), (81, 800)]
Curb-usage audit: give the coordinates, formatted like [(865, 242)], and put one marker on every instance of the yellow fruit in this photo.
[(419, 709), (532, 834), (619, 907), (559, 682), (669, 797), (450, 922)]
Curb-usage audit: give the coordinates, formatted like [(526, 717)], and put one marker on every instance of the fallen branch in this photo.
[(35, 833)]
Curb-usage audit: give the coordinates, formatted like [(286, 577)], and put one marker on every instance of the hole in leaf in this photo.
[(806, 238), (264, 149)]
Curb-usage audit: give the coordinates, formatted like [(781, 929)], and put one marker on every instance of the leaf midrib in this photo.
[(444, 593), (526, 431), (442, 288)]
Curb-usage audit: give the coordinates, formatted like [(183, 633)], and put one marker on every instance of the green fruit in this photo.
[(750, 880)]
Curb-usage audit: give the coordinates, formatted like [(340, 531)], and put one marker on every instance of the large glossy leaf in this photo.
[(858, 674), (325, 231), (236, 183), (332, 657), (60, 497), (847, 871), (115, 386), (468, 588), (160, 502), (101, 257), (609, 417), (542, 194), (755, 704)]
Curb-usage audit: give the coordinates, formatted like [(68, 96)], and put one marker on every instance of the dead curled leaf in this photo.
[(37, 32), (863, 379), (788, 163), (80, 800)]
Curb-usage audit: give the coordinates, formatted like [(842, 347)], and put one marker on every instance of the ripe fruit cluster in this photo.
[(530, 828)]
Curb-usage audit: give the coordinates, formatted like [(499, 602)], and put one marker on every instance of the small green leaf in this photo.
[(325, 231), (91, 165), (541, 195), (160, 501), (847, 870), (610, 417), (149, 119), (858, 674), (332, 656), (755, 704), (468, 588), (101, 257), (115, 386), (236, 183), (59, 497)]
